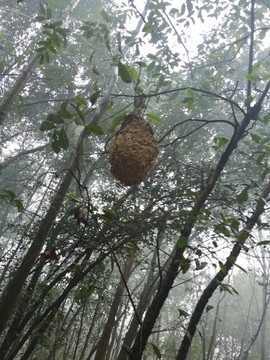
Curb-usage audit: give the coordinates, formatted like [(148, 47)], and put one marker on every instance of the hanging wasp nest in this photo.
[(134, 151)]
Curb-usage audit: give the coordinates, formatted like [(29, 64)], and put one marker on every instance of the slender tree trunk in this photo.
[(60, 334), (151, 285), (119, 335), (91, 327), (259, 328), (244, 332), (18, 86), (79, 332), (211, 347), (265, 300), (107, 330)]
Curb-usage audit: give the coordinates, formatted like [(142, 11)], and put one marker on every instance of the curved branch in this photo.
[(198, 120), (207, 92)]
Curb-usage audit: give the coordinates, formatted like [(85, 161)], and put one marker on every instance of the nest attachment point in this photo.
[(134, 151)]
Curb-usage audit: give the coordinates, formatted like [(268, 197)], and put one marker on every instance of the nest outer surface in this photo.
[(134, 151)]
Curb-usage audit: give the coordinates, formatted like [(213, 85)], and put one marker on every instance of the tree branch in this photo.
[(4, 164)]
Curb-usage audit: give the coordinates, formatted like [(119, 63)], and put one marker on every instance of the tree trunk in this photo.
[(261, 325), (151, 285), (107, 330), (211, 347), (91, 327), (18, 86), (244, 332)]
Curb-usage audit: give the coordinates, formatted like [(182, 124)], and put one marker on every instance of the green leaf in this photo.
[(141, 64), (63, 139), (94, 97), (266, 149), (147, 28), (84, 294), (19, 205), (216, 54), (248, 100), (47, 57), (7, 194), (41, 60), (228, 288), (183, 313), (188, 101), (79, 112), (134, 74), (256, 138), (64, 113), (191, 93), (124, 73), (182, 242), (58, 23), (223, 268), (95, 129), (153, 116), (189, 5), (219, 142), (239, 33), (184, 265), (253, 76), (117, 121), (49, 13), (265, 242), (222, 229), (52, 49), (39, 18), (262, 34), (243, 196), (11, 196), (215, 244), (55, 143), (95, 70), (209, 308), (241, 268), (105, 16), (183, 9), (47, 125), (156, 351), (81, 101)]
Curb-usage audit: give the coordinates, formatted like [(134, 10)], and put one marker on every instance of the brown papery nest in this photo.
[(134, 151)]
